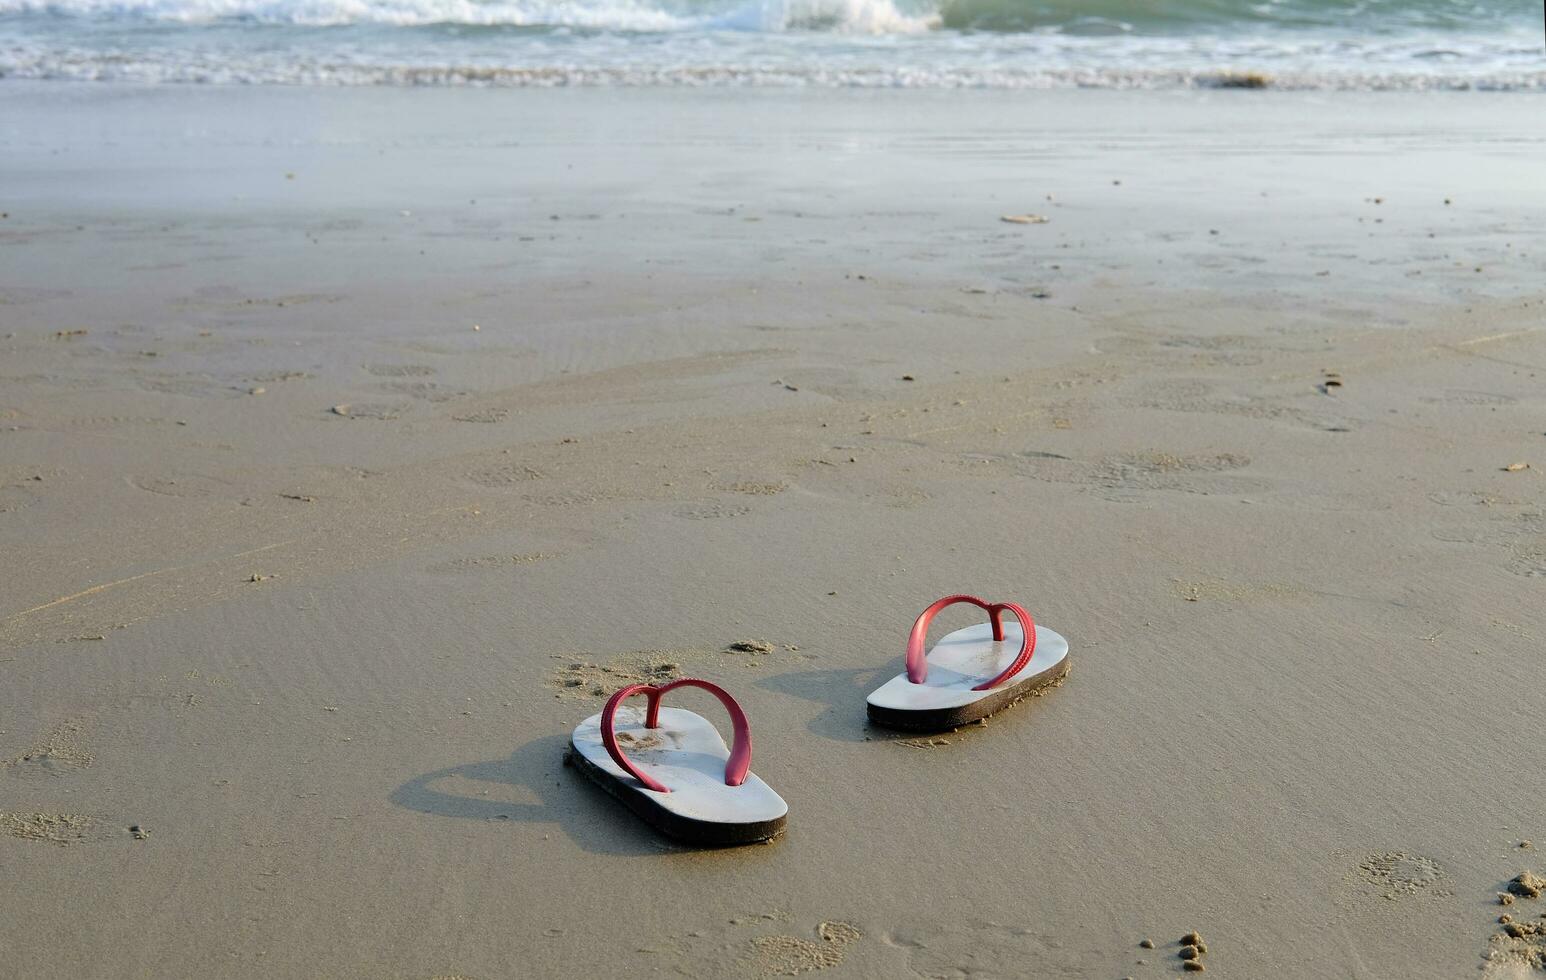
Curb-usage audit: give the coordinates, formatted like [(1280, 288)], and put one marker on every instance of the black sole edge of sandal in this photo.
[(944, 719), (699, 833)]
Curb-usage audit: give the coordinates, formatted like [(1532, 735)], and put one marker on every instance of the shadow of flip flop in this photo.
[(580, 809)]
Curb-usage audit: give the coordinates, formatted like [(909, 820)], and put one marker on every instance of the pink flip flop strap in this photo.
[(740, 750), (918, 664)]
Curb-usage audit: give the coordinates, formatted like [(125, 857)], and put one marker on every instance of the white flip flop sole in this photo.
[(687, 755), (957, 663)]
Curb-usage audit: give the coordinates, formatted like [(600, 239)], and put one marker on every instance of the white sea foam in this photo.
[(860, 16)]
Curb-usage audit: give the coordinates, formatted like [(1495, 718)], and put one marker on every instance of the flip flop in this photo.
[(972, 672), (682, 779)]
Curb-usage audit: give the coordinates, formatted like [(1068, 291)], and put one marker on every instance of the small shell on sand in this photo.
[(1146, 943), (1025, 219), (1516, 467)]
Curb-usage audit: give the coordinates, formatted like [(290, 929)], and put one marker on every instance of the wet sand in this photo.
[(355, 443)]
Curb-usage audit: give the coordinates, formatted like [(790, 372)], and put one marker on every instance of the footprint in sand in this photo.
[(726, 950), (584, 678), (51, 828), (1210, 590), (400, 370), (15, 498), (1459, 397), (789, 956), (572, 498), (186, 485), (59, 753), (379, 411), (903, 498), (752, 488), (1514, 528), (587, 679), (1202, 397), (1397, 874), (490, 561), (990, 949), (1529, 560), (483, 415), (1125, 476), (427, 391), (711, 511), (1299, 497), (191, 386), (497, 476), (277, 376)]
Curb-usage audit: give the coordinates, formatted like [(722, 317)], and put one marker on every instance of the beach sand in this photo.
[(353, 443)]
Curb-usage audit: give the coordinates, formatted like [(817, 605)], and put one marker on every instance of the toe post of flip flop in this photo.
[(672, 768), (970, 673)]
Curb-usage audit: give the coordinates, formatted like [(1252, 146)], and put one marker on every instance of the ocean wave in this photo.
[(1075, 17), (842, 16)]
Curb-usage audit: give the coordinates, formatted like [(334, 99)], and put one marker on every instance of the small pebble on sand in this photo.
[(1194, 965), (1146, 943), (1189, 953)]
